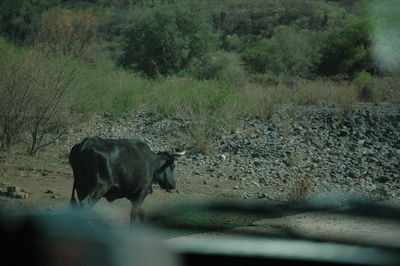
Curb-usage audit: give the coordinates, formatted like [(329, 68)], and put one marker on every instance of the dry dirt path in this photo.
[(319, 226)]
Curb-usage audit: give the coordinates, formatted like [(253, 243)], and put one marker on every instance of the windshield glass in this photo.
[(258, 117)]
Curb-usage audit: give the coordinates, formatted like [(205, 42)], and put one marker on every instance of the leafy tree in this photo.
[(348, 50), (287, 52), (17, 18), (68, 32), (253, 19), (166, 39)]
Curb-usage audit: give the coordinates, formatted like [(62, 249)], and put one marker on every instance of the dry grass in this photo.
[(305, 92), (300, 188), (258, 102), (213, 105), (388, 89)]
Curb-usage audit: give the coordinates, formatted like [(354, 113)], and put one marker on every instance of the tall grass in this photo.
[(103, 87), (203, 102)]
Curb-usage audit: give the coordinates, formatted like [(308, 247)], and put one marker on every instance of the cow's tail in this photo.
[(73, 203)]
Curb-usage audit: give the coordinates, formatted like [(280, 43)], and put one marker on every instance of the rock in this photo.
[(383, 179), (257, 163), (19, 195), (222, 157), (49, 191), (13, 189), (362, 144), (354, 174), (262, 195), (343, 133)]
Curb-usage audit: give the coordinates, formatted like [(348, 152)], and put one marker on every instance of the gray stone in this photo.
[(12, 189)]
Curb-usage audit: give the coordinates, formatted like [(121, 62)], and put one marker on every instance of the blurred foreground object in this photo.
[(82, 238), (315, 232), (77, 238), (386, 34)]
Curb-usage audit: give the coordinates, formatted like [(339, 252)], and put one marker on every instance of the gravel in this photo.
[(356, 154)]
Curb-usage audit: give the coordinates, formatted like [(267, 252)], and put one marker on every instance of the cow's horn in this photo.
[(177, 154)]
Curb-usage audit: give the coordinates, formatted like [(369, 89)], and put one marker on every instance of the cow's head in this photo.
[(165, 174)]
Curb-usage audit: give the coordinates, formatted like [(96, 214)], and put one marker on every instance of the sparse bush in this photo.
[(232, 73), (16, 84), (33, 105), (50, 115)]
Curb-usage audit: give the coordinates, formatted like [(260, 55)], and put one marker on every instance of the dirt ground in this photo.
[(46, 180)]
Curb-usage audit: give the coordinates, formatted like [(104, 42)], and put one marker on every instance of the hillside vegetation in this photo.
[(212, 62)]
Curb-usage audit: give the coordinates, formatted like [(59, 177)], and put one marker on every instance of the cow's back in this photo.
[(125, 164)]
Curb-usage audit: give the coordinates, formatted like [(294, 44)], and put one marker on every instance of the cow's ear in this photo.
[(170, 160)]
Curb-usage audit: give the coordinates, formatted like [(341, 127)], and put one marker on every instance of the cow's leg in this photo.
[(95, 195), (137, 213), (141, 214)]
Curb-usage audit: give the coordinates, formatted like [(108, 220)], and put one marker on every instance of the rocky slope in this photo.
[(345, 155)]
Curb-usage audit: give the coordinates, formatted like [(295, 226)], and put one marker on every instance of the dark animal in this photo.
[(118, 168)]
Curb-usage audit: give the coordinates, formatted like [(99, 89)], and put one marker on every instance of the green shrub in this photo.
[(288, 52), (233, 42), (255, 58), (5, 47), (207, 67), (103, 87), (232, 73), (259, 17), (347, 51), (166, 39), (18, 17), (221, 65), (364, 83)]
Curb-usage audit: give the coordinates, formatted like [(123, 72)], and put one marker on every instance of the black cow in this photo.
[(118, 168)]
